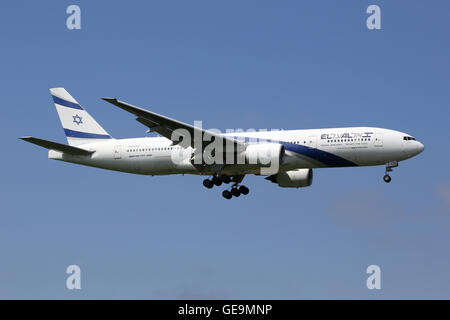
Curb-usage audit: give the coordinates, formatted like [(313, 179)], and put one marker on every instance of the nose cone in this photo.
[(419, 147), (413, 148)]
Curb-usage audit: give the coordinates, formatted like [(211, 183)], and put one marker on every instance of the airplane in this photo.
[(284, 157)]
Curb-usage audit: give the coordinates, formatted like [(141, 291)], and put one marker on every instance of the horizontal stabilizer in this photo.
[(57, 146)]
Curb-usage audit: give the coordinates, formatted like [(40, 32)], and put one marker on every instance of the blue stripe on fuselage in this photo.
[(327, 158), (79, 134), (66, 103)]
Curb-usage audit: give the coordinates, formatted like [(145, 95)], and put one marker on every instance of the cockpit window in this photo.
[(408, 138)]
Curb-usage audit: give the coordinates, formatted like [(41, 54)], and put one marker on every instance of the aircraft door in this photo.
[(117, 152), (378, 140)]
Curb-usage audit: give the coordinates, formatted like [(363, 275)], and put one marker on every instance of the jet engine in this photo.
[(293, 179), (268, 156)]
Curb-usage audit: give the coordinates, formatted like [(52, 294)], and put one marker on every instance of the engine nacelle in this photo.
[(267, 156), (293, 179)]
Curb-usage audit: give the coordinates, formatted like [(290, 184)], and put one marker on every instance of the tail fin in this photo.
[(79, 126)]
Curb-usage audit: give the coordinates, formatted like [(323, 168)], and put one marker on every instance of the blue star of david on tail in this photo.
[(77, 119)]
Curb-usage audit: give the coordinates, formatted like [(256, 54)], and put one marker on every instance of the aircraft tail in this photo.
[(79, 126)]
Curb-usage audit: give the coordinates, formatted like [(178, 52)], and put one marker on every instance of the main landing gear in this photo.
[(387, 178), (235, 192), (216, 181), (236, 189)]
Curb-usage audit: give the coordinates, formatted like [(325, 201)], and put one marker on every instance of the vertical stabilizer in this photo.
[(79, 126)]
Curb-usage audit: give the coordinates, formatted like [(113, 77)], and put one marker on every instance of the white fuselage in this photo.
[(314, 148)]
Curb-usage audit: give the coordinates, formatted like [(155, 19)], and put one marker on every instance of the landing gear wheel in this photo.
[(215, 180), (225, 178), (235, 192), (208, 183), (244, 190), (389, 166), (227, 194)]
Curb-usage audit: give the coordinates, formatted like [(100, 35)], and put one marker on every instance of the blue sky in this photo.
[(231, 64)]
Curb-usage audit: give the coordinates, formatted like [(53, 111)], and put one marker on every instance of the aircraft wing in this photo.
[(166, 127)]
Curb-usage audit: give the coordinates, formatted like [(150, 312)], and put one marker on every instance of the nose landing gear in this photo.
[(387, 178)]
